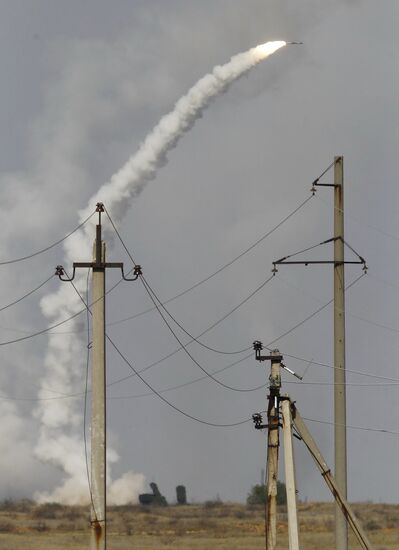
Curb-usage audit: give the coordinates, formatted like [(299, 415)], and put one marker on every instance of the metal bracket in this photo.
[(137, 271), (62, 275), (258, 347)]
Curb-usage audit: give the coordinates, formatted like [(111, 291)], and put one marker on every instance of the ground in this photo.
[(213, 525)]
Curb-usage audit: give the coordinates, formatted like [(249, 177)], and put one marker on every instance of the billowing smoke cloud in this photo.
[(60, 441)]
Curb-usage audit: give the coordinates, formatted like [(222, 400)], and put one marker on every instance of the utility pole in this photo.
[(330, 480), (293, 535), (273, 441), (98, 401), (341, 528), (98, 478)]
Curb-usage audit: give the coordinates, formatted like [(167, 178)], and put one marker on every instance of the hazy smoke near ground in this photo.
[(60, 440)]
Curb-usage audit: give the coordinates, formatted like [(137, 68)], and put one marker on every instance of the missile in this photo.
[(296, 43)]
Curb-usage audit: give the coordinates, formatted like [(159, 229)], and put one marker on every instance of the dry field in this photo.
[(24, 525)]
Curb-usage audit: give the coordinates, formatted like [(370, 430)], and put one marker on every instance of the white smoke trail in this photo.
[(60, 432)]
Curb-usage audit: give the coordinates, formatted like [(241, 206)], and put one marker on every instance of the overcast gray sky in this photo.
[(82, 84)]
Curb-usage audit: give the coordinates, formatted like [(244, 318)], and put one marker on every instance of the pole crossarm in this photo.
[(60, 271), (98, 263), (286, 259), (323, 184), (316, 183)]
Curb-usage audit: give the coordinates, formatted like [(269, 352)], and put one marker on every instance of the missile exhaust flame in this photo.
[(60, 421)]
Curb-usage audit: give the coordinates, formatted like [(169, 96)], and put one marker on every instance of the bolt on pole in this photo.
[(341, 528)]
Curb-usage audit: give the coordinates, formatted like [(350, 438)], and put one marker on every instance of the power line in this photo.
[(363, 428), (228, 264), (247, 356), (210, 375), (236, 362), (311, 315), (22, 258), (151, 365), (158, 394), (306, 360), (182, 293), (137, 373), (326, 365), (56, 325), (393, 382), (27, 294), (183, 384), (316, 181), (307, 249), (355, 316), (355, 384), (225, 367), (158, 304), (81, 395), (40, 332), (369, 226), (195, 339), (383, 281)]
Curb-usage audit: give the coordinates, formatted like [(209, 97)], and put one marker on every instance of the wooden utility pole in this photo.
[(290, 484), (341, 528), (98, 478), (273, 442), (273, 425)]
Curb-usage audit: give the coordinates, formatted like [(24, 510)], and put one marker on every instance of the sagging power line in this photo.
[(49, 247), (181, 293)]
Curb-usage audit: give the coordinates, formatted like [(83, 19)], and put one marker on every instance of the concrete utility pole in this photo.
[(331, 482), (341, 531), (98, 402), (290, 484), (341, 528), (98, 478)]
